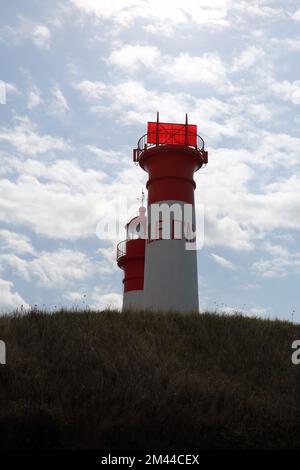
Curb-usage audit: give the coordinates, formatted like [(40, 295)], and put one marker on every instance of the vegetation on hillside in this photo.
[(82, 380)]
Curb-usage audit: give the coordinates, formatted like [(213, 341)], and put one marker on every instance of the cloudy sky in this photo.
[(79, 81)]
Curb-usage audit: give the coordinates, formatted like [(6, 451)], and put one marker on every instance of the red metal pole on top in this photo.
[(186, 130), (157, 130)]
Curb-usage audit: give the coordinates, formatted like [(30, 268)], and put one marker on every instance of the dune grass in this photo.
[(88, 380)]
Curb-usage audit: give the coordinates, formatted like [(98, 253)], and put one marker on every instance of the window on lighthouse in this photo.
[(138, 230), (159, 230)]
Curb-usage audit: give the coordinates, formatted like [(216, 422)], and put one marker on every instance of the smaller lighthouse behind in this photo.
[(131, 259)]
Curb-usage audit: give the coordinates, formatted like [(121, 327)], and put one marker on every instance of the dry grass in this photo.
[(81, 380)]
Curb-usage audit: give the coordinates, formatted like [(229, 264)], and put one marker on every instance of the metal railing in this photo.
[(143, 144), (121, 249), (125, 247)]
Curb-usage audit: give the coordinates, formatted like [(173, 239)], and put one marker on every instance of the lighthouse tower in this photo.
[(170, 154), (131, 258)]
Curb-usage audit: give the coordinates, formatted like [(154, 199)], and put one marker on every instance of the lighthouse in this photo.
[(170, 154), (131, 259)]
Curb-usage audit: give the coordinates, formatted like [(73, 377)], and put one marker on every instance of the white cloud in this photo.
[(292, 43), (296, 15), (77, 297), (2, 93), (53, 269), (223, 262), (247, 312), (288, 91), (162, 16), (280, 263), (227, 231), (276, 250), (17, 264), (251, 286), (248, 58), (116, 10), (213, 108), (258, 311), (106, 156), (15, 243), (237, 216), (102, 301), (68, 201), (259, 8), (41, 36), (95, 300), (108, 261), (34, 98), (25, 138), (270, 268), (276, 149), (5, 89), (183, 68), (91, 90), (58, 104), (8, 299), (10, 87), (260, 111), (131, 102), (133, 56)]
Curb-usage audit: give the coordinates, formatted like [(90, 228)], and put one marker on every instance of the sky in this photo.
[(79, 79)]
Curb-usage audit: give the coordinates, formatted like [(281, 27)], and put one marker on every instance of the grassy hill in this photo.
[(81, 380)]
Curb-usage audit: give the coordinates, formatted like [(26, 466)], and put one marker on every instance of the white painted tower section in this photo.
[(170, 281), (133, 300)]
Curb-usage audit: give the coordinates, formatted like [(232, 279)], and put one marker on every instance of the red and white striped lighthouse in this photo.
[(131, 258), (171, 154)]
